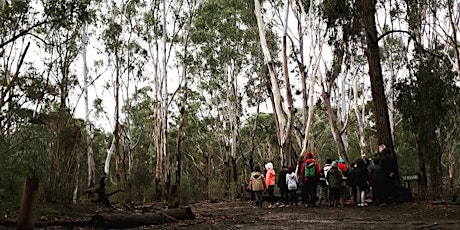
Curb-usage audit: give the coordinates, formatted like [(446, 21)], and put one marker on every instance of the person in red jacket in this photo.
[(310, 174)]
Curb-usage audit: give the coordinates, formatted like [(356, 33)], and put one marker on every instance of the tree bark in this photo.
[(331, 77), (275, 88), (359, 116), (422, 181), (286, 146), (26, 213), (375, 73), (164, 107)]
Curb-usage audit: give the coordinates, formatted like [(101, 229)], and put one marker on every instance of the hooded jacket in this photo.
[(270, 177), (334, 177), (256, 182), (308, 161), (291, 181)]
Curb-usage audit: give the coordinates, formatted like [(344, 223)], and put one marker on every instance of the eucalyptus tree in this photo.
[(163, 22), (21, 22), (222, 39), (382, 120), (89, 126), (432, 90), (451, 35), (284, 118), (126, 58), (60, 45), (343, 29), (183, 63), (423, 102)]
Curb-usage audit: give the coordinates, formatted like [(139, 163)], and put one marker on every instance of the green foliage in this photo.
[(342, 14), (23, 154), (423, 98), (424, 101)]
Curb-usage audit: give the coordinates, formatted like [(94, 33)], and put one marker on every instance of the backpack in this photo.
[(310, 170)]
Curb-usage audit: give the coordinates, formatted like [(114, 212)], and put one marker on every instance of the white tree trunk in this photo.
[(271, 67), (164, 107), (359, 116), (89, 126), (110, 153), (311, 103)]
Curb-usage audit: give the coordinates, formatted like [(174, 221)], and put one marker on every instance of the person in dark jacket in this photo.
[(283, 186), (323, 188), (361, 181), (334, 180), (389, 173), (376, 181)]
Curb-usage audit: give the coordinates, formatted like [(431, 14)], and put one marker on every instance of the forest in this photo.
[(178, 100)]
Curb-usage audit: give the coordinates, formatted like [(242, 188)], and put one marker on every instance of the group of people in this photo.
[(337, 182)]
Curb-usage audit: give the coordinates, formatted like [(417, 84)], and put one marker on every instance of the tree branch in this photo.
[(22, 33), (414, 39)]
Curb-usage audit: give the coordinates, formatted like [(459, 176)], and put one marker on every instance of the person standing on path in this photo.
[(283, 186), (257, 185), (270, 179), (310, 174), (291, 181), (334, 179)]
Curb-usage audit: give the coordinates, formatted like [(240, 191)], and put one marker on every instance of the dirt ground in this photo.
[(243, 215)]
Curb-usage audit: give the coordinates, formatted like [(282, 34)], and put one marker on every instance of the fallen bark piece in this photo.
[(135, 220)]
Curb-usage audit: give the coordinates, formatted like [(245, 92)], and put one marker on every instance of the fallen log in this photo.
[(118, 221)]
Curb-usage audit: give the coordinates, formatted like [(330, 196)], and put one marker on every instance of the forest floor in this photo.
[(243, 215)]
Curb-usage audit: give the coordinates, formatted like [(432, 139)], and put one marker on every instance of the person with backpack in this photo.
[(323, 183), (270, 178), (310, 174), (257, 185), (283, 186)]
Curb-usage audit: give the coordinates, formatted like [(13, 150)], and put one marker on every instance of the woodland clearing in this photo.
[(243, 215)]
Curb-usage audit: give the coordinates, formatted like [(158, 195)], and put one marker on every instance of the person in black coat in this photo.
[(376, 173), (361, 181), (283, 186), (389, 174)]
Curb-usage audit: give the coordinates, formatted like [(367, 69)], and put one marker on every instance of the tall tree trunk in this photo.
[(316, 48), (252, 136), (360, 116), (164, 110), (89, 126), (275, 88), (450, 158), (423, 182), (234, 119), (117, 134), (286, 146), (375, 73), (182, 111), (331, 77), (157, 122)]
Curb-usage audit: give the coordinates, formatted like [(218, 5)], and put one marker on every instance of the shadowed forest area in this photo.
[(121, 114)]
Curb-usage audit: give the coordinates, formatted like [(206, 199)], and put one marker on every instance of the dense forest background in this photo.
[(181, 99)]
